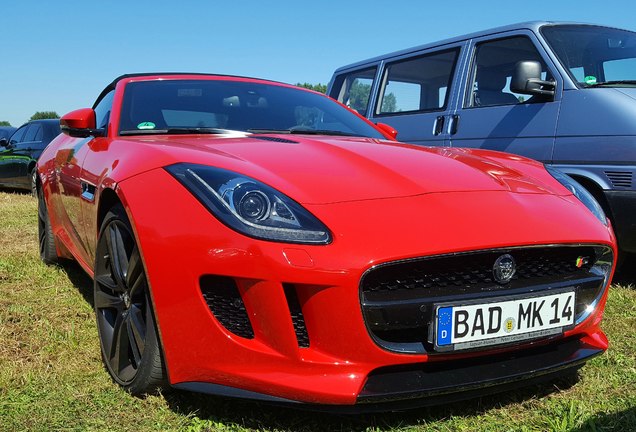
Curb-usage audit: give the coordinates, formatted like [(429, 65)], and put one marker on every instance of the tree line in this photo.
[(39, 115)]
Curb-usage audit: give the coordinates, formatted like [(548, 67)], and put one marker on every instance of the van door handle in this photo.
[(438, 125), (454, 124)]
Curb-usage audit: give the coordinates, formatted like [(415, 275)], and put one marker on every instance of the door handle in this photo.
[(454, 124), (438, 125)]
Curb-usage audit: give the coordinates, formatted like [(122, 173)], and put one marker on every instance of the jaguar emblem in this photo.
[(504, 269)]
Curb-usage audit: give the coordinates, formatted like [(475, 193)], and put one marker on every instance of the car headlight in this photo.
[(580, 192), (249, 206)]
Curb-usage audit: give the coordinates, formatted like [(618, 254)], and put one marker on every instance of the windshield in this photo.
[(595, 56), (223, 106)]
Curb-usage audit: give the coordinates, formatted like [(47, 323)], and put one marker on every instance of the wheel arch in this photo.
[(597, 192)]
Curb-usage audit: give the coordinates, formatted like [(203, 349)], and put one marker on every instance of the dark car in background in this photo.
[(5, 133), (21, 151)]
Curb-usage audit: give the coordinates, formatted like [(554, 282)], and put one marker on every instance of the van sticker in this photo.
[(146, 125), (590, 79)]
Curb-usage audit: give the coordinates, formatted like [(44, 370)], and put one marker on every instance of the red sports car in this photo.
[(254, 239)]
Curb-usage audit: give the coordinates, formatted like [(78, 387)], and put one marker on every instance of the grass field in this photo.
[(51, 376)]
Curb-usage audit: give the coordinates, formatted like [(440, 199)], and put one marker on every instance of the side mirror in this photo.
[(387, 130), (526, 79), (3, 142), (80, 124)]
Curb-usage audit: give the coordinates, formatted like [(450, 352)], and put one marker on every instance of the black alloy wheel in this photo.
[(125, 321), (46, 241)]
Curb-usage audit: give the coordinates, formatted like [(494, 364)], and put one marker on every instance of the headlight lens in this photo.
[(580, 192), (249, 206)]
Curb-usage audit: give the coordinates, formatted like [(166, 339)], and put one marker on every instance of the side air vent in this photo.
[(620, 179), (225, 303), (275, 139), (296, 313)]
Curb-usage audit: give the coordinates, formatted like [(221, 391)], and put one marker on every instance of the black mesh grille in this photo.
[(398, 298), (225, 303), (474, 272), (297, 317)]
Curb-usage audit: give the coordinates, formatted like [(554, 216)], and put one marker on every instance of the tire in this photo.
[(46, 240), (125, 319), (34, 179)]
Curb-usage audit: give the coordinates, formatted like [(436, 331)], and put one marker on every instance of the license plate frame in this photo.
[(501, 339)]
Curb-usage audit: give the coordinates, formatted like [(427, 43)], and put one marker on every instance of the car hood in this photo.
[(322, 170), (629, 91)]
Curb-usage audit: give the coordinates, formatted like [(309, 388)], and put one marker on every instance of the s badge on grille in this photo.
[(504, 268)]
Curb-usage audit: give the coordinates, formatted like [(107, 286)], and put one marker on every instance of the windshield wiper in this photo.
[(180, 130), (611, 83), (301, 131)]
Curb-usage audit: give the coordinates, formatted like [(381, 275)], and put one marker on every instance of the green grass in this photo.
[(51, 377)]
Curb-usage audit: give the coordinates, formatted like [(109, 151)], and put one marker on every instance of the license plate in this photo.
[(474, 325)]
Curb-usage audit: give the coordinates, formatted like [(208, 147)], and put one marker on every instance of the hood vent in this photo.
[(620, 179), (275, 139)]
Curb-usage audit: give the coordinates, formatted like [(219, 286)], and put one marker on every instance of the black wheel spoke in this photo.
[(136, 334), (108, 283), (117, 254), (135, 276), (108, 301), (119, 349)]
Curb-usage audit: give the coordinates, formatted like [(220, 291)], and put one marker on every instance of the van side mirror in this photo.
[(386, 129), (526, 79), (80, 124), (3, 142)]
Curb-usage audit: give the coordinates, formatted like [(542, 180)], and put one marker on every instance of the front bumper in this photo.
[(342, 364), (417, 385)]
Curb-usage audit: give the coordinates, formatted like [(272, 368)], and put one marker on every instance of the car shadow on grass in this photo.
[(619, 421), (259, 416), (79, 279)]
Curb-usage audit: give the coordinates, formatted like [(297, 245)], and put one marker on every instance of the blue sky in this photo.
[(58, 56)]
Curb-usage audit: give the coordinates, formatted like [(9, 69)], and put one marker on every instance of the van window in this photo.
[(354, 89), (492, 71), (417, 84)]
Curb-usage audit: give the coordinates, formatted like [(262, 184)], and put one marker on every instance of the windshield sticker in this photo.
[(590, 79), (146, 125)]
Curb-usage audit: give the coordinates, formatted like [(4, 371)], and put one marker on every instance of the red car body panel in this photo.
[(382, 201)]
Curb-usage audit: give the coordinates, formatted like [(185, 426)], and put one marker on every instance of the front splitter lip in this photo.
[(397, 388)]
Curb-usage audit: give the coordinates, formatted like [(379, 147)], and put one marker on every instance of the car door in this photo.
[(8, 156), (416, 94), (492, 117), (23, 160)]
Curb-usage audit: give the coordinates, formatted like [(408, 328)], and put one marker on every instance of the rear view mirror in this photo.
[(80, 124), (526, 79), (386, 129)]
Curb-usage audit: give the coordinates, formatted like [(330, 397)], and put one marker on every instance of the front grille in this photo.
[(224, 300), (398, 298), (620, 179)]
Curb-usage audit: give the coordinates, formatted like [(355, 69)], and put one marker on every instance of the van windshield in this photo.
[(595, 56)]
